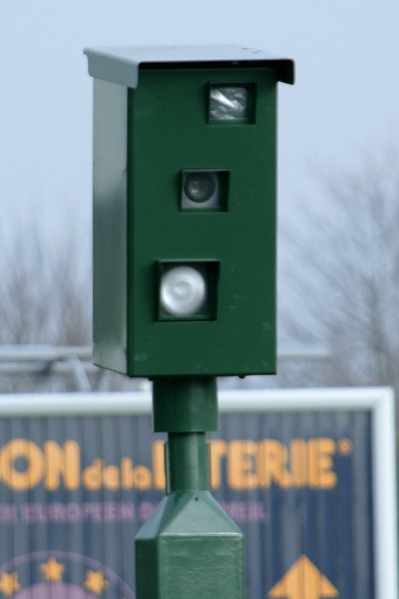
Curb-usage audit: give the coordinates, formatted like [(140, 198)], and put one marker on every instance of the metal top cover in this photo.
[(121, 64)]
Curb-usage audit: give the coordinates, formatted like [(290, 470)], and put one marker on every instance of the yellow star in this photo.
[(95, 581), (52, 570), (9, 583)]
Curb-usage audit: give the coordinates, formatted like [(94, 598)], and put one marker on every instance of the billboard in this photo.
[(308, 475)]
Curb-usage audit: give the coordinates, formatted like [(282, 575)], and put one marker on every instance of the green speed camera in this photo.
[(185, 209)]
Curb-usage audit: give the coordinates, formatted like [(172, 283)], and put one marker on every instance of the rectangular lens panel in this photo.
[(187, 290), (231, 103)]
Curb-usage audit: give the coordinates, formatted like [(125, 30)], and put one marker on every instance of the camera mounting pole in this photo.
[(188, 547)]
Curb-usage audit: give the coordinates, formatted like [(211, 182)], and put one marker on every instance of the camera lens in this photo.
[(200, 187)]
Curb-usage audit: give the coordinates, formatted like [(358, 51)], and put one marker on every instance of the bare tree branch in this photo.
[(342, 278)]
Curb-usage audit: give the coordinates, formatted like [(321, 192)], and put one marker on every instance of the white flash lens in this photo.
[(183, 291)]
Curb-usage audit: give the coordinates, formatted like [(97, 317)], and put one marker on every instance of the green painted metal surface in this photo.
[(185, 404), (168, 132), (187, 462), (189, 549), (110, 225)]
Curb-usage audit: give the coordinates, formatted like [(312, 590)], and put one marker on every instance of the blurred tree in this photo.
[(45, 299), (45, 296), (340, 277), (45, 291)]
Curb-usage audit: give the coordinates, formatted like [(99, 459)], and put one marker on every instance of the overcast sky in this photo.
[(346, 96)]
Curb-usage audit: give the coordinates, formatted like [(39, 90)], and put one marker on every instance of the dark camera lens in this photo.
[(200, 187)]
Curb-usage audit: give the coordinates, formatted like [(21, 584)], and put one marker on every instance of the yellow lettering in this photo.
[(92, 475), (21, 448), (249, 465), (158, 464), (299, 469), (126, 473), (218, 449), (139, 477), (271, 464), (320, 463), (111, 477), (142, 478), (240, 465), (65, 461)]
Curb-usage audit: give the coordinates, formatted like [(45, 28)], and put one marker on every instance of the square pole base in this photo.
[(189, 549)]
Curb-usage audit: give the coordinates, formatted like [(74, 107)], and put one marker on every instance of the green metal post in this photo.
[(187, 463), (189, 548)]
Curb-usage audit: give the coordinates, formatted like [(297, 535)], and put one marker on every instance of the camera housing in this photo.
[(184, 177)]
